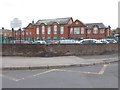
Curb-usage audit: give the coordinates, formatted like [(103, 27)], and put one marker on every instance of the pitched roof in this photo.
[(52, 21), (28, 25), (91, 25)]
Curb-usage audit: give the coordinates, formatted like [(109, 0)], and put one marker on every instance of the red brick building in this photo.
[(62, 28)]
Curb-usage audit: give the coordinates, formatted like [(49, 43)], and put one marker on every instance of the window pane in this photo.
[(77, 30), (37, 30), (82, 30), (30, 33), (49, 30), (89, 31), (71, 30), (95, 30), (26, 33), (61, 30), (55, 29), (43, 29)]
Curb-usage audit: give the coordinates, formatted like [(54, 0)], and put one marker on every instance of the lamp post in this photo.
[(12, 35), (20, 35)]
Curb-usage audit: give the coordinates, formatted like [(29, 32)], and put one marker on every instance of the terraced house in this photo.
[(63, 28)]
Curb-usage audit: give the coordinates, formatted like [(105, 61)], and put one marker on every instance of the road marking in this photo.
[(16, 80), (103, 69), (77, 71), (62, 70), (44, 72), (99, 73), (10, 78)]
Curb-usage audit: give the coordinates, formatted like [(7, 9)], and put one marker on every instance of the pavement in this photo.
[(31, 63)]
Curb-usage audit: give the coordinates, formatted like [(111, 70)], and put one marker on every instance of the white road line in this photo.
[(10, 78), (44, 72), (36, 74), (78, 71), (16, 80), (48, 71)]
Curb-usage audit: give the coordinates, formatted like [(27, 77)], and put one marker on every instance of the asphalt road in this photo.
[(97, 76)]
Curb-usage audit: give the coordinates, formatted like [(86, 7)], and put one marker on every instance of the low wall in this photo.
[(57, 50)]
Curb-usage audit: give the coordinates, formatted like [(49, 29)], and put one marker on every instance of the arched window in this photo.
[(89, 31), (95, 30), (55, 29), (37, 30), (62, 30), (43, 29), (49, 30)]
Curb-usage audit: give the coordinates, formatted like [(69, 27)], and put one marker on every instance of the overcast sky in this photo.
[(87, 11)]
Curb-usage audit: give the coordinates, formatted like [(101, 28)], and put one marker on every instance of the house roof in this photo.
[(5, 30), (91, 25), (52, 21), (28, 25)]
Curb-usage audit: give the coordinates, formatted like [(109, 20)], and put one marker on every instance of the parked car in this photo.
[(104, 41), (111, 40), (20, 42), (53, 42), (89, 41), (67, 41), (39, 42)]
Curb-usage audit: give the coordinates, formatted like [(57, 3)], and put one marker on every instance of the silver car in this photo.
[(89, 41)]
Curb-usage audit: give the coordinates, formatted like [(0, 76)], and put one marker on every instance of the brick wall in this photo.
[(58, 50)]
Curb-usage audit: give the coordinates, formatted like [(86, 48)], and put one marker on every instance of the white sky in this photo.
[(87, 11)]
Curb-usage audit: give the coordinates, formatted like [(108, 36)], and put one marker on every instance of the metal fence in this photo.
[(13, 40)]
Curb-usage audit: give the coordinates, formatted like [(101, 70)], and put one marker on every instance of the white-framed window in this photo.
[(49, 30), (61, 30), (89, 31), (30, 33), (71, 30), (43, 29), (37, 30), (77, 30), (26, 33), (95, 30), (55, 29), (102, 30), (82, 30)]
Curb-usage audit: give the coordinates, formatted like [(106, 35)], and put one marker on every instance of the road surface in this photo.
[(96, 76)]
